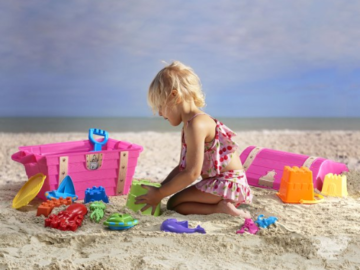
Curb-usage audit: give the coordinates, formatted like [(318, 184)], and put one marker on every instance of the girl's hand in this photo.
[(152, 198)]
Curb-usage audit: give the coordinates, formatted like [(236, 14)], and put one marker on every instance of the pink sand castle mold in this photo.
[(264, 167), (249, 226), (113, 167)]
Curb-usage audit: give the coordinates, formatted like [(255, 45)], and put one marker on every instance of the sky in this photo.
[(254, 58)]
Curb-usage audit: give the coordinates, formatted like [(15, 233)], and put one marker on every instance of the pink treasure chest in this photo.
[(113, 167)]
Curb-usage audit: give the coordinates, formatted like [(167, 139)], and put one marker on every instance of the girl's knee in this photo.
[(180, 197)]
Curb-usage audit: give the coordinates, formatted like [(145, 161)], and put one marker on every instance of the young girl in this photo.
[(207, 150)]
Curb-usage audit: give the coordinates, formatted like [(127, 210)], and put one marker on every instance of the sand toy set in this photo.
[(66, 172), (264, 167), (92, 170)]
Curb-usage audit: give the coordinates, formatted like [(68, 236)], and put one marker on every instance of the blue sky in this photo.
[(255, 58)]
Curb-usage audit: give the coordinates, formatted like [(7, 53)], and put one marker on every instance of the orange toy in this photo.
[(297, 186), (45, 208)]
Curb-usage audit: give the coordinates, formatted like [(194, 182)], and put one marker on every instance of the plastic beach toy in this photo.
[(45, 208), (248, 226), (112, 168), (335, 185), (95, 131), (96, 194), (137, 190), (69, 219), (65, 189), (265, 222), (97, 211), (297, 186), (120, 222), (172, 225), (29, 190), (264, 167)]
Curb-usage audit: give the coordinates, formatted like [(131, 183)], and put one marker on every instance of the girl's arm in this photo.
[(195, 138), (174, 172), (196, 133)]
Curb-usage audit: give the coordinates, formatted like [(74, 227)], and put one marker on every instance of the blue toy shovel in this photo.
[(98, 145)]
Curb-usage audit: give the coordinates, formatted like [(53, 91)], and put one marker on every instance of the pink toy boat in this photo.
[(113, 167), (264, 167)]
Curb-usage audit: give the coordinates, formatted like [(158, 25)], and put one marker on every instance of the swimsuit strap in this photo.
[(187, 123)]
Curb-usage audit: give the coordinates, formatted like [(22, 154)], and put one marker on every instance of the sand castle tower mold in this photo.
[(297, 186), (335, 185)]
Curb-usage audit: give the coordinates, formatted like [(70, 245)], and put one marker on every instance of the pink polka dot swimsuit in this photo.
[(231, 185)]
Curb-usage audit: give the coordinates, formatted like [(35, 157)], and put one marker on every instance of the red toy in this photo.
[(68, 220)]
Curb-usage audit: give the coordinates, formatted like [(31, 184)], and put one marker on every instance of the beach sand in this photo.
[(320, 236)]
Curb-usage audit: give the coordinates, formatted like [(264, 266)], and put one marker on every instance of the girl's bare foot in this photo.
[(228, 208)]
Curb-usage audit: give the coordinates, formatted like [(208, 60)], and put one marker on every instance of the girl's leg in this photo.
[(193, 201)]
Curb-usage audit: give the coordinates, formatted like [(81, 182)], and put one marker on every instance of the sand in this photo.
[(321, 236)]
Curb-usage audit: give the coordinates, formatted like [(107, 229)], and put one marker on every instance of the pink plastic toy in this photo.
[(264, 167), (248, 226), (113, 167)]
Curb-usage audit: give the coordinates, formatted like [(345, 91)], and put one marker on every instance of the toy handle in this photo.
[(95, 131), (24, 157), (321, 198)]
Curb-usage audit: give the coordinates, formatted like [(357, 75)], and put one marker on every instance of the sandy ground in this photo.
[(325, 236)]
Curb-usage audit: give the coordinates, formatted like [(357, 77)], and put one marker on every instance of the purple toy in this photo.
[(172, 225)]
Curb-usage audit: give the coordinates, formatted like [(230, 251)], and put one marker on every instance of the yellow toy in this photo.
[(29, 191), (335, 185)]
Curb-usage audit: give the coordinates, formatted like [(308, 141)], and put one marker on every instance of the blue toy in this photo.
[(265, 222), (65, 189), (172, 225), (98, 145), (96, 194)]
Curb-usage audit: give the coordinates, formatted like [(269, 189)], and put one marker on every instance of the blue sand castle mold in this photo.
[(96, 194), (65, 189)]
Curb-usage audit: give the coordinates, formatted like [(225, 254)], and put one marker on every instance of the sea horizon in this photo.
[(158, 124)]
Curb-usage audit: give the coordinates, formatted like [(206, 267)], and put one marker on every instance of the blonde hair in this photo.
[(175, 76)]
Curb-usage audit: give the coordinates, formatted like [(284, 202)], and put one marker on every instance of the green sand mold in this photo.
[(120, 222), (97, 211), (137, 190)]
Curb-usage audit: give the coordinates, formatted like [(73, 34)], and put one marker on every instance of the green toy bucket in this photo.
[(137, 190)]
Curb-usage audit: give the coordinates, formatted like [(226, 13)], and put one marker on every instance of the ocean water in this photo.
[(135, 124)]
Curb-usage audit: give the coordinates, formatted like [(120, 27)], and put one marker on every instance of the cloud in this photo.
[(109, 45), (82, 34)]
